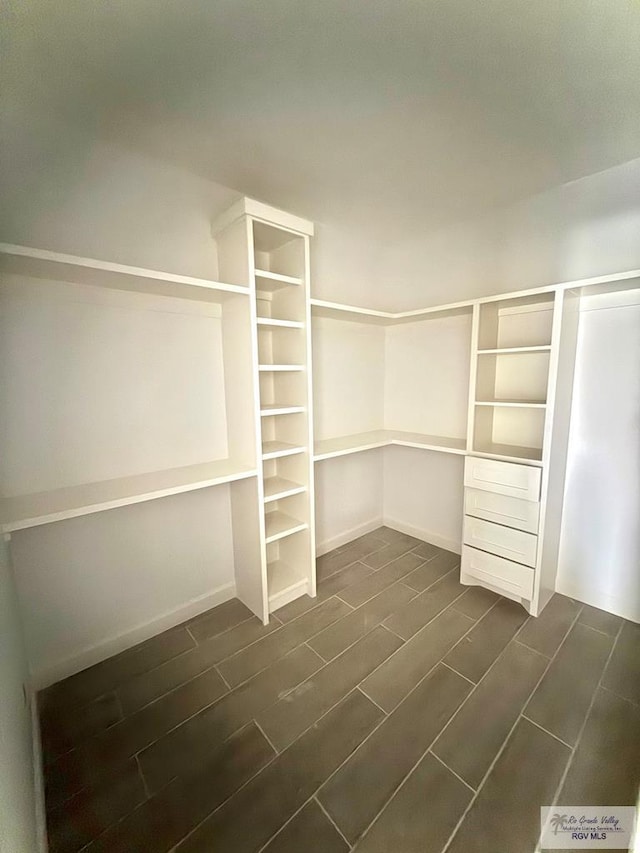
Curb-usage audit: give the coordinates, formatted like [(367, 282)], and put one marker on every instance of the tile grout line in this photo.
[(359, 689), (371, 597), (511, 730), (618, 696), (453, 669), (546, 731), (217, 669), (266, 737), (142, 777), (332, 821), (189, 632), (450, 769), (283, 827)]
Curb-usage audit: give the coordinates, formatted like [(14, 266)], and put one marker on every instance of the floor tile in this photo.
[(428, 551), (505, 816), (339, 636), (191, 743), (606, 764), (476, 601), (432, 571), (250, 661), (336, 561), (311, 831), (608, 623), (61, 731), (106, 676), (561, 702), (622, 675), (390, 552), (361, 787), (389, 535), (425, 606), (473, 738), (473, 656), (166, 818), (256, 812), (89, 813), (391, 682), (546, 632), (358, 593), (303, 705), (95, 757), (219, 620), (326, 588), (421, 815)]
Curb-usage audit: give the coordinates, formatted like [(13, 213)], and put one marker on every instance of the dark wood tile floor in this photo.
[(398, 712)]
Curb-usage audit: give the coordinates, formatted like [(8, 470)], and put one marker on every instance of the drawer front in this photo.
[(505, 478), (502, 509), (510, 577), (503, 541)]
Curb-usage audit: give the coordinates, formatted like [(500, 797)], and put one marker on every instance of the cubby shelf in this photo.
[(283, 581), (280, 368), (280, 324), (357, 442), (514, 350), (276, 449), (40, 263), (19, 513), (273, 409), (270, 281), (279, 525), (276, 488), (516, 404), (510, 453)]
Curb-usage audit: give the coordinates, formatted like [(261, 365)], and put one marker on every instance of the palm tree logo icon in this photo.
[(557, 821)]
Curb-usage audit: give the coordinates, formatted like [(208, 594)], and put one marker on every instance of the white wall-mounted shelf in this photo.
[(272, 281), (276, 449), (513, 404), (337, 311), (279, 525), (274, 409), (22, 512), (280, 368), (343, 445), (40, 263), (280, 324), (276, 488), (508, 350)]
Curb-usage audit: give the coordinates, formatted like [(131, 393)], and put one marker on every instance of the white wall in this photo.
[(18, 833), (600, 545)]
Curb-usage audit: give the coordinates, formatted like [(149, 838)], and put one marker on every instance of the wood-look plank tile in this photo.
[(258, 810), (99, 755), (358, 593), (436, 568), (327, 588), (425, 606), (339, 636), (421, 815), (606, 765), (393, 680), (188, 745), (506, 813), (390, 552), (219, 619), (475, 653), (82, 688), (168, 816), (622, 675), (86, 815), (546, 632), (250, 661), (336, 561), (302, 706), (562, 699), (428, 551), (61, 730), (473, 738), (476, 601), (360, 788), (311, 831), (608, 623)]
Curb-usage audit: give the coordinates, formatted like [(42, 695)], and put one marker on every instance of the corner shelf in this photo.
[(357, 442), (279, 525), (25, 511)]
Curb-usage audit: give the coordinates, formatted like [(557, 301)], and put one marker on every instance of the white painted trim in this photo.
[(114, 645), (270, 215), (424, 535), (288, 595), (38, 774), (348, 536)]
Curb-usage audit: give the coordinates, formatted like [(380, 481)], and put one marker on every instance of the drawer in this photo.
[(504, 541), (502, 509), (505, 478), (512, 578)]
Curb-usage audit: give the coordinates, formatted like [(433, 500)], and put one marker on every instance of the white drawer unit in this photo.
[(504, 478), (502, 509), (504, 541), (512, 578)]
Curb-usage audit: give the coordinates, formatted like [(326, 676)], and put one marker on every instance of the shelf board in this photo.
[(514, 350), (343, 445), (275, 449), (283, 581), (276, 488), (279, 525), (514, 404), (509, 453), (19, 513), (268, 282), (40, 263), (353, 313), (280, 324), (271, 409), (280, 368)]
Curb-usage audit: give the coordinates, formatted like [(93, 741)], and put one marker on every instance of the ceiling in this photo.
[(385, 115)]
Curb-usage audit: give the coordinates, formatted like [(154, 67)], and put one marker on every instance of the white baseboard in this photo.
[(598, 598), (347, 536), (425, 535), (114, 645)]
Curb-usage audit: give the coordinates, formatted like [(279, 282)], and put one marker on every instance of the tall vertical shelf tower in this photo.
[(268, 250)]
